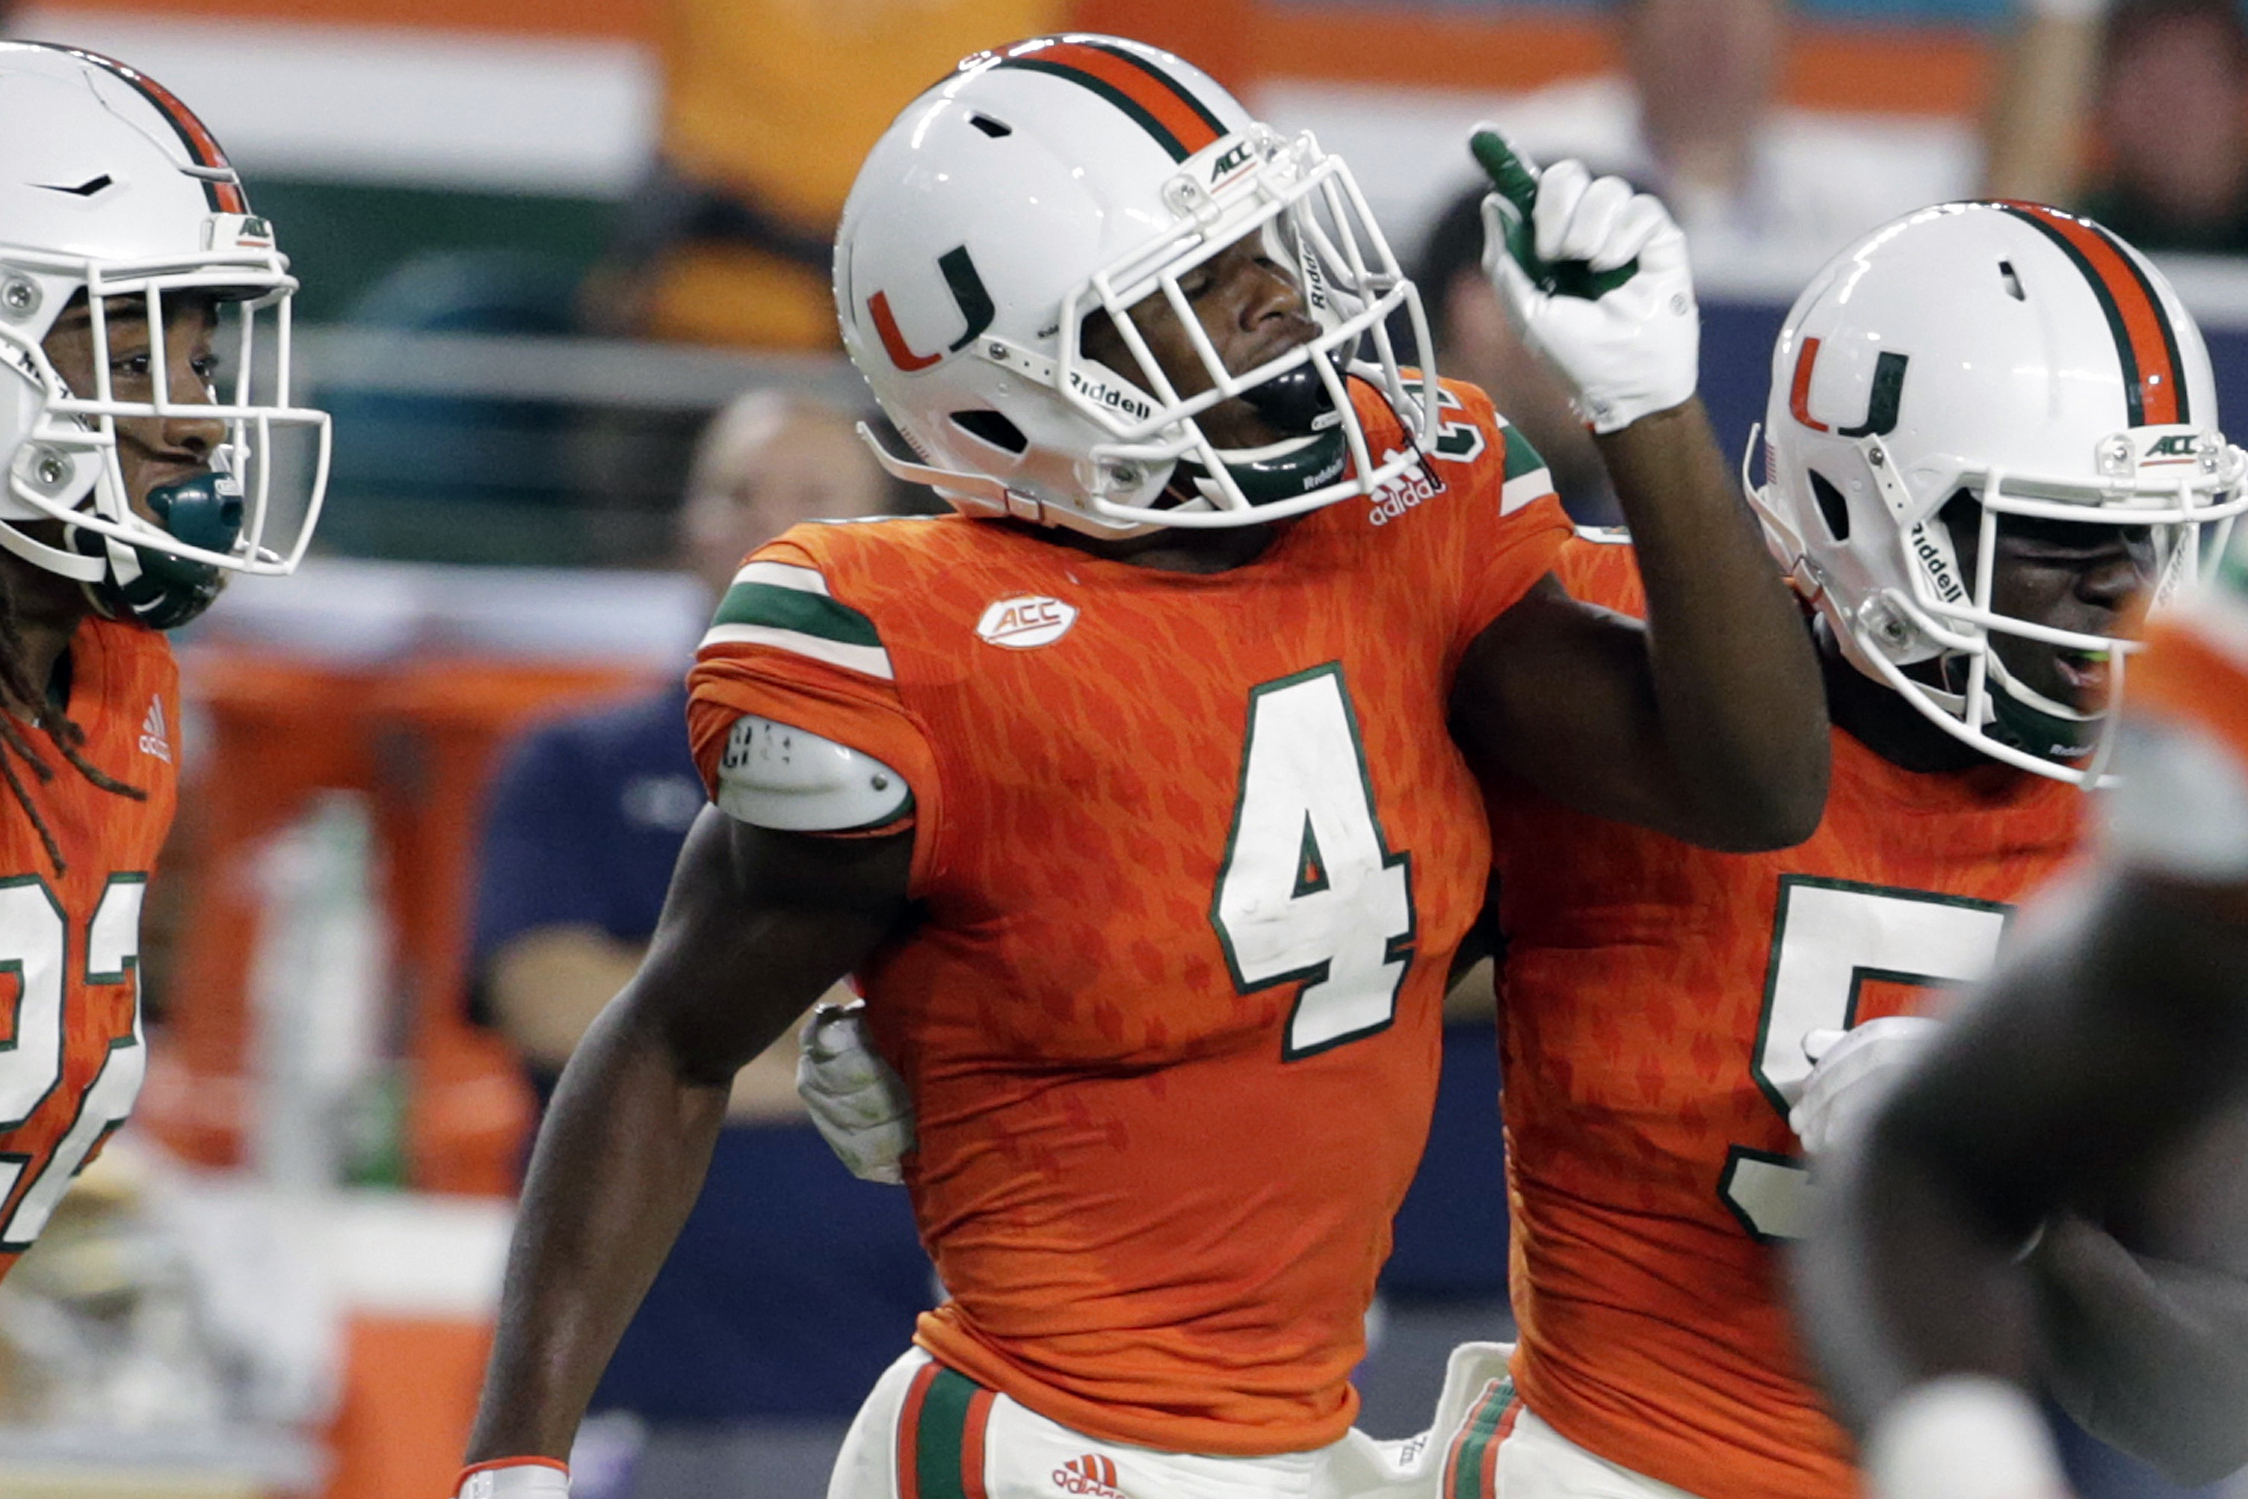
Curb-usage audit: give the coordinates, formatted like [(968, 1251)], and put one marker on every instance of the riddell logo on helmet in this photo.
[(1101, 393), (1092, 1475), (1025, 621), (1938, 565)]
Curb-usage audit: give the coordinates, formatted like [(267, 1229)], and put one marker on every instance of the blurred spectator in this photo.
[(1476, 342), (769, 107), (712, 1390), (1705, 72), (2138, 118), (1696, 118), (2172, 123)]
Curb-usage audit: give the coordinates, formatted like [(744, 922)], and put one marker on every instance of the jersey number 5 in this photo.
[(1828, 938), (1309, 891), (35, 947)]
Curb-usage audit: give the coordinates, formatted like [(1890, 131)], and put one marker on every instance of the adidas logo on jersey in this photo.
[(1092, 1475), (1025, 621), (1399, 495), (153, 739)]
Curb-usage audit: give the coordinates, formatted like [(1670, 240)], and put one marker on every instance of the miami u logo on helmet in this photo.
[(968, 295), (1881, 405)]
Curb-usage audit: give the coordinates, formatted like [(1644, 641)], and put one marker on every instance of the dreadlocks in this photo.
[(67, 736)]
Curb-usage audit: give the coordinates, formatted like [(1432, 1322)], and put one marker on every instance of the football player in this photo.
[(2101, 1075), (1992, 434), (1128, 794), (130, 268)]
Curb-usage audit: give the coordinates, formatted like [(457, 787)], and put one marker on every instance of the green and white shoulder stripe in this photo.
[(787, 608), (1527, 478)]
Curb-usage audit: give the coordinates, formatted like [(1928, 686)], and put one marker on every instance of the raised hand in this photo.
[(1596, 276)]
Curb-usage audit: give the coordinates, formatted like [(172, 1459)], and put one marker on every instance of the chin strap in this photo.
[(1282, 471), (979, 492), (54, 559)]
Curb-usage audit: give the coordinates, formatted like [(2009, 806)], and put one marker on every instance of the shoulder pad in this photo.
[(773, 775)]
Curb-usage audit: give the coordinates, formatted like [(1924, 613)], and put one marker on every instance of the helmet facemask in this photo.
[(252, 510), (1312, 221), (1938, 642)]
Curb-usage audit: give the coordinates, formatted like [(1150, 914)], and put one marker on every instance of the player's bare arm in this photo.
[(1708, 722), (2087, 1061), (757, 926), (2142, 1310)]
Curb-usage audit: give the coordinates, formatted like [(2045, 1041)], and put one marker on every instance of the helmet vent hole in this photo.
[(996, 129), (991, 427), (1832, 507), (2013, 282)]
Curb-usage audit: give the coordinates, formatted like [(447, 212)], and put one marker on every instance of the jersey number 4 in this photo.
[(1309, 891), (35, 947), (1828, 938)]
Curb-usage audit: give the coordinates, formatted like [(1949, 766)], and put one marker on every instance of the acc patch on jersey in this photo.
[(1025, 621)]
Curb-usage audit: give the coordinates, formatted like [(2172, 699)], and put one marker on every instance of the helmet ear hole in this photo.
[(1833, 509), (994, 428)]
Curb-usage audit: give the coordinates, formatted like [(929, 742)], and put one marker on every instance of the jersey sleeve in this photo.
[(1517, 525), (1598, 566), (784, 646)]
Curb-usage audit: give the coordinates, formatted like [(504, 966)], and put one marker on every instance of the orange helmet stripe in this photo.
[(1180, 123), (202, 146), (2153, 375)]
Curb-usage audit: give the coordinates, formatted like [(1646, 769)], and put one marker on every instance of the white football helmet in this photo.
[(2024, 357), (1074, 175), (110, 189)]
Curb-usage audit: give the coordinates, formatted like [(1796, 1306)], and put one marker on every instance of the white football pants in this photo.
[(929, 1433), (1494, 1447)]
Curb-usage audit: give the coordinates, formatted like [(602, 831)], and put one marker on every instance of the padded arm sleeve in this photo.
[(773, 775)]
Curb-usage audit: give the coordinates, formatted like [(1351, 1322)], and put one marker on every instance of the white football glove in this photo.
[(1596, 277), (857, 1102), (515, 1478), (1853, 1072)]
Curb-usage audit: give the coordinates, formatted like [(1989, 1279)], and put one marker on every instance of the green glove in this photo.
[(1516, 182)]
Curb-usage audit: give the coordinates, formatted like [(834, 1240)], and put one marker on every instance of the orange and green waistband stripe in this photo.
[(1163, 106), (941, 1436), (202, 147), (2153, 375), (1471, 1465)]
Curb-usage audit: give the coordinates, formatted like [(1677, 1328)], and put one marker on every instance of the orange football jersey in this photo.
[(70, 941), (1193, 854), (1656, 998)]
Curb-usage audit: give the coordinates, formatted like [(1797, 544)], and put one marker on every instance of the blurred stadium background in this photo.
[(541, 241)]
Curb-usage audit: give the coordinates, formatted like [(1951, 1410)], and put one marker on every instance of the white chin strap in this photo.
[(71, 565)]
